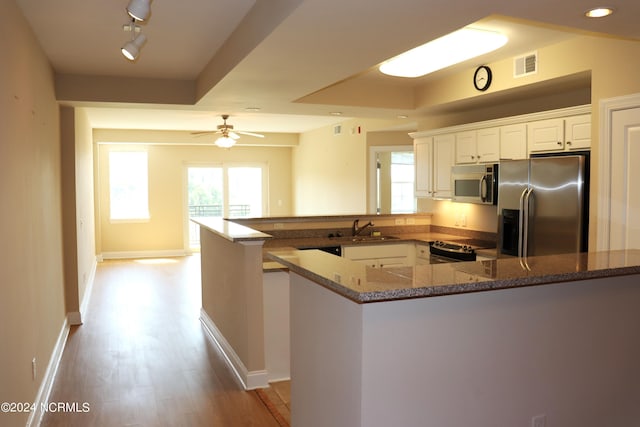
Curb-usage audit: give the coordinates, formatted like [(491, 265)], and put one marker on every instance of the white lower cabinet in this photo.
[(423, 254), (381, 255)]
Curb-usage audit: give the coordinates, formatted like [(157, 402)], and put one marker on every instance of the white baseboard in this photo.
[(250, 380), (144, 254), (278, 379), (75, 317), (42, 398)]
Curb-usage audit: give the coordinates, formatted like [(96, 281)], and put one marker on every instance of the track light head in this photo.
[(139, 9), (131, 49)]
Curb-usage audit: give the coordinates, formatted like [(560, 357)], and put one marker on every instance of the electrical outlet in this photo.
[(34, 371), (278, 226), (539, 421), (400, 221), (411, 221)]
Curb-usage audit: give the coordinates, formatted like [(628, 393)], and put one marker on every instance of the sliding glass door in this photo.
[(224, 191)]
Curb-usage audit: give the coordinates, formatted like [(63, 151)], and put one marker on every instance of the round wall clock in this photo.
[(482, 78)]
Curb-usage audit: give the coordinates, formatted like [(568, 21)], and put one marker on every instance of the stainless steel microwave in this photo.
[(475, 183)]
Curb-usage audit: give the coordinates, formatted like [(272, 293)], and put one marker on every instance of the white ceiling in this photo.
[(272, 54)]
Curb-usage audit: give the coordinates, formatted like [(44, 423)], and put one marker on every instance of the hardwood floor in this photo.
[(141, 358), (279, 395)]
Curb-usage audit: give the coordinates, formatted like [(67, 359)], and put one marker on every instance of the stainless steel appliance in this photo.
[(543, 206), (463, 249), (475, 183), (442, 252)]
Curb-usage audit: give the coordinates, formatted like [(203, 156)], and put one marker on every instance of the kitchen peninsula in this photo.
[(486, 343)]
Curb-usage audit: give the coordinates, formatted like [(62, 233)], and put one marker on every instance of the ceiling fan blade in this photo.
[(234, 135), (206, 132), (257, 135)]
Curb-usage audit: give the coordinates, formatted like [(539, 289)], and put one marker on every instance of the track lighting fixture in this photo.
[(139, 9), (131, 49)]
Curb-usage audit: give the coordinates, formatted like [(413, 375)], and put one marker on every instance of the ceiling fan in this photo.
[(228, 135)]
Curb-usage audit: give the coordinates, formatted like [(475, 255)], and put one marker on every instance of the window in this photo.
[(128, 185), (402, 198)]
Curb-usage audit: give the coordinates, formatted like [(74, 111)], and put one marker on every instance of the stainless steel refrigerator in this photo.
[(543, 206)]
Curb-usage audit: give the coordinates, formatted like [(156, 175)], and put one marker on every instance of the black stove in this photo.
[(451, 252)]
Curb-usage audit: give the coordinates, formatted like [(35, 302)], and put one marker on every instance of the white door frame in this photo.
[(607, 108), (373, 150)]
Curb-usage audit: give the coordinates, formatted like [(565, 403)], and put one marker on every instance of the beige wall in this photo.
[(32, 302), (84, 204), (78, 207), (330, 171), (165, 231)]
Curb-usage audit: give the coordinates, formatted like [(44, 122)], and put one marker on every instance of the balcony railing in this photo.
[(195, 211)]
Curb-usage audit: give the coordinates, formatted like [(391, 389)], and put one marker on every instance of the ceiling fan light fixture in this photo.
[(444, 52), (225, 142), (131, 49), (139, 9)]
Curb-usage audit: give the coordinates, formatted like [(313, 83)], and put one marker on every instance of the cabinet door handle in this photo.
[(568, 142), (559, 143)]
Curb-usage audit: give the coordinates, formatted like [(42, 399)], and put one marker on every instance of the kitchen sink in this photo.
[(363, 239), (373, 238)]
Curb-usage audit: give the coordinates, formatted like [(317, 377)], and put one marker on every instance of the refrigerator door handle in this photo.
[(521, 223), (525, 231)]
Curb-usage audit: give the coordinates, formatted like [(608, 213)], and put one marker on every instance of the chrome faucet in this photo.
[(355, 230)]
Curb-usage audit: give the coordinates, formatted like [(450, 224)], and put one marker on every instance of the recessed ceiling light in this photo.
[(336, 113), (598, 12), (403, 116), (443, 52), (252, 109)]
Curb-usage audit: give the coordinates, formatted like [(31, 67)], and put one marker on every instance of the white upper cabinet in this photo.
[(488, 142), (508, 138), (433, 157), (513, 142), (478, 146), (578, 132), (423, 158), (466, 147), (546, 135), (443, 159), (563, 134)]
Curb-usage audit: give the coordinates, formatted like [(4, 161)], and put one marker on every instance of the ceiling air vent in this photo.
[(525, 64), (337, 130)]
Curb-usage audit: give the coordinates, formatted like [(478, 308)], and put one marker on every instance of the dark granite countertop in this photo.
[(363, 284)]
